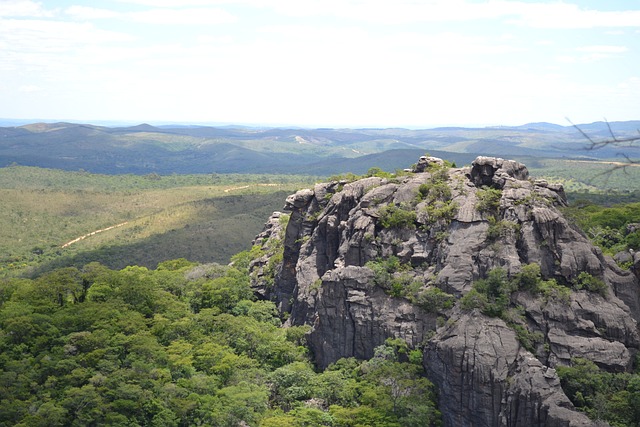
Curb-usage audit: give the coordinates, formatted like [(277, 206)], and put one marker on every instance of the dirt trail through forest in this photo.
[(247, 186), (93, 233)]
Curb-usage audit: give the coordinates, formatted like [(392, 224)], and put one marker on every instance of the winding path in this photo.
[(93, 233)]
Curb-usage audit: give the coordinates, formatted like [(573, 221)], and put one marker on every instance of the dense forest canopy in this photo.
[(183, 345)]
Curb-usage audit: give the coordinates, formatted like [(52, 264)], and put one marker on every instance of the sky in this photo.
[(321, 63)]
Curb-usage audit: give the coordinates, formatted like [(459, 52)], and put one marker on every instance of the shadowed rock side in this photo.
[(452, 236)]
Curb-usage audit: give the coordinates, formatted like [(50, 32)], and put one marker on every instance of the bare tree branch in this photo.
[(614, 141)]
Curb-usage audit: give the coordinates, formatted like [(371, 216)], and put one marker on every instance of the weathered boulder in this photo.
[(495, 172), (623, 257), (425, 161)]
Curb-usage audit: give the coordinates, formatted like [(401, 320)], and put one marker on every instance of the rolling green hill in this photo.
[(146, 149)]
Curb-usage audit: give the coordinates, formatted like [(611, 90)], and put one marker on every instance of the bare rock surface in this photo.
[(484, 374)]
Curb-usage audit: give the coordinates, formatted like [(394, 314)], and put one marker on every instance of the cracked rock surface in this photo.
[(484, 374)]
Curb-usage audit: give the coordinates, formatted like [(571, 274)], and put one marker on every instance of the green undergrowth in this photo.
[(435, 194), (397, 216)]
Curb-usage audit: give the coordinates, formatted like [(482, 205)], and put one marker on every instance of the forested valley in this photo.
[(100, 334)]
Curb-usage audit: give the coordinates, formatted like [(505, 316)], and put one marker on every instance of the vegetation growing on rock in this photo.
[(413, 259)]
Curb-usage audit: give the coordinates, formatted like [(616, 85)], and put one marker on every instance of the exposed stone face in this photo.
[(487, 379), (495, 172), (484, 375)]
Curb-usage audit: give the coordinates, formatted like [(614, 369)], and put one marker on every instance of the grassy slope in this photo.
[(166, 217), (200, 217), (587, 176)]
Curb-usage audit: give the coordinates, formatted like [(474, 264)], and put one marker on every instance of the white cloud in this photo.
[(531, 14), (90, 13), (588, 54), (193, 16), (22, 8), (29, 88), (631, 84), (176, 3), (50, 45), (330, 69), (603, 49), (571, 16), (181, 16)]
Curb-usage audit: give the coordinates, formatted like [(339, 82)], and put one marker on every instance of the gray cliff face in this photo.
[(484, 375)]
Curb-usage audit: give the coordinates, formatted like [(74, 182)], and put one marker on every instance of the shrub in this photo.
[(498, 290), (552, 291), (491, 295), (473, 299), (383, 269), (434, 191), (488, 200), (392, 216), (633, 240), (402, 285), (423, 190), (439, 173), (527, 339), (376, 171), (440, 211), (592, 284), (502, 228), (348, 177), (529, 277), (391, 275), (434, 300)]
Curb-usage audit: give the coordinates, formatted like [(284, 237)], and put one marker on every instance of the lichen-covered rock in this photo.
[(449, 228)]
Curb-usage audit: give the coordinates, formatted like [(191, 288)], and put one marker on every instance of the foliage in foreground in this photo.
[(611, 228), (613, 397), (178, 346)]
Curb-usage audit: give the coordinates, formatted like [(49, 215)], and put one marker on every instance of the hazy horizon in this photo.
[(311, 63), (10, 122)]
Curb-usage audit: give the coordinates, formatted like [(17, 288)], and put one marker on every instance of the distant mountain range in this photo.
[(144, 149)]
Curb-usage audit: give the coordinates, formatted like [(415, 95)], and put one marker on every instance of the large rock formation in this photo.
[(450, 227)]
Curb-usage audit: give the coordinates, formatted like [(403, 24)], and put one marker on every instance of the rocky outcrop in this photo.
[(425, 161), (495, 171), (449, 228)]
